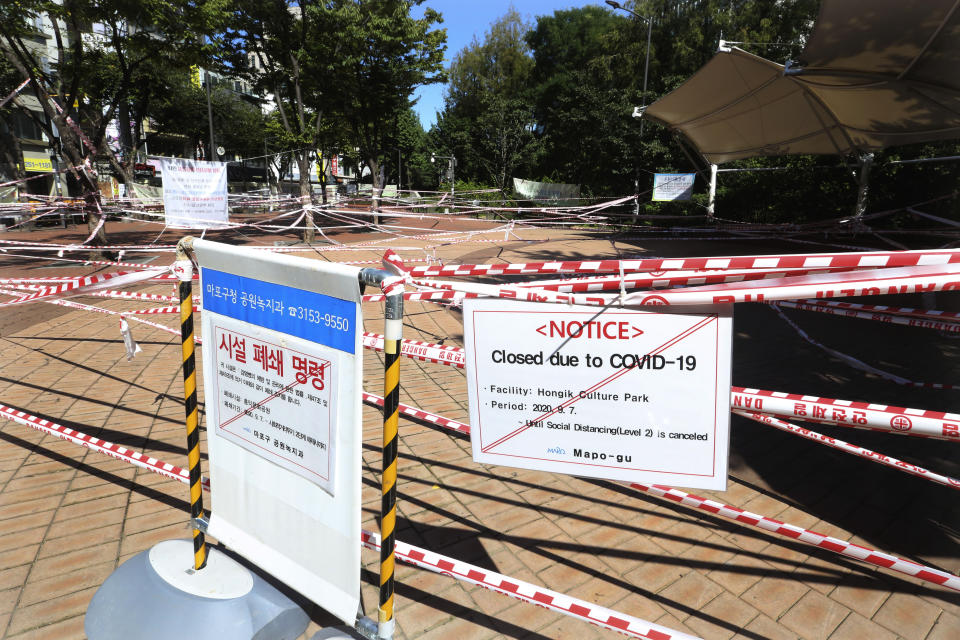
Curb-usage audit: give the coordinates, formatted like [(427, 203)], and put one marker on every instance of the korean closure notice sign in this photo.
[(194, 193), (276, 399), (621, 394), (281, 364), (672, 186)]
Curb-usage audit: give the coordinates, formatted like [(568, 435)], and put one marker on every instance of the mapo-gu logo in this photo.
[(901, 423), (654, 300)]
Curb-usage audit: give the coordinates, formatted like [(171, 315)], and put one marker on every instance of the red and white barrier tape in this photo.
[(923, 323), (13, 93), (423, 296), (930, 314), (132, 295), (527, 592), (417, 350), (844, 548), (72, 247), (101, 446), (846, 447), (855, 551), (841, 284), (86, 284), (844, 413), (663, 279), (157, 310), (859, 364), (796, 261), (589, 612), (420, 414)]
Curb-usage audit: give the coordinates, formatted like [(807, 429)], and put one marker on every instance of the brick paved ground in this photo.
[(69, 516)]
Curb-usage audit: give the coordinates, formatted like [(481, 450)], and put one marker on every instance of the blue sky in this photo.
[(465, 18)]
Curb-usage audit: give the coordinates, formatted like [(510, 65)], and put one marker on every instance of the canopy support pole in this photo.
[(712, 196), (863, 183)]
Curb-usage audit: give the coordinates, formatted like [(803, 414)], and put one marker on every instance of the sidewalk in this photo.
[(69, 516)]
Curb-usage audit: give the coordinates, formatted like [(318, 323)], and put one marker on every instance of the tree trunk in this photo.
[(303, 163)]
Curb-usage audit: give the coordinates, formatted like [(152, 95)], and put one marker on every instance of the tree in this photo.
[(488, 115), (87, 80), (385, 54), (584, 80)]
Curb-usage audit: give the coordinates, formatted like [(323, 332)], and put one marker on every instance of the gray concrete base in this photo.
[(337, 633), (156, 595)]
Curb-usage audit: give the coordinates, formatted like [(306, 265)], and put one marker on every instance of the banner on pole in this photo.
[(194, 193), (282, 366)]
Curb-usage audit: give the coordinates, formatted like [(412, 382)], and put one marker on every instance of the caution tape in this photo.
[(663, 279), (418, 350), (841, 284), (85, 284), (798, 261), (86, 307), (848, 549), (932, 314), (157, 310), (859, 364), (133, 295), (420, 414), (423, 296), (830, 543), (845, 413), (527, 592), (928, 314), (96, 444), (594, 614), (923, 323), (842, 445)]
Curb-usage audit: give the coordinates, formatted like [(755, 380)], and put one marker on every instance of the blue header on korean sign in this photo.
[(305, 314)]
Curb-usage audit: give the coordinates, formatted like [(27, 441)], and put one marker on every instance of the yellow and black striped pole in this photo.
[(184, 271), (393, 333)]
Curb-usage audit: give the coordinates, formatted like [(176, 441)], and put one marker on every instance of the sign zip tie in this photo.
[(623, 288)]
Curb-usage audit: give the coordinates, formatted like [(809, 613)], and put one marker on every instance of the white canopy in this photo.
[(874, 74)]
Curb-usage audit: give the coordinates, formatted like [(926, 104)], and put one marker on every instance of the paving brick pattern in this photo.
[(69, 517)]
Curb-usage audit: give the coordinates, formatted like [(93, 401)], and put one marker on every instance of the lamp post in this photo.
[(646, 64), (643, 97), (451, 168)]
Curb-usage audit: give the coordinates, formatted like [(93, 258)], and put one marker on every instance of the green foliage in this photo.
[(584, 75), (488, 120), (384, 54)]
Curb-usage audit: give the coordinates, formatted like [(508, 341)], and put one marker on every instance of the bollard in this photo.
[(393, 333), (183, 268)]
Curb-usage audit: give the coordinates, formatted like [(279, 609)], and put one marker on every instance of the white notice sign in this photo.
[(672, 186), (276, 400), (622, 394), (281, 374), (194, 193)]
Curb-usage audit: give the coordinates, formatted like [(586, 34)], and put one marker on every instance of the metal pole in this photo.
[(213, 149), (183, 268), (393, 333), (712, 197), (866, 160), (453, 177)]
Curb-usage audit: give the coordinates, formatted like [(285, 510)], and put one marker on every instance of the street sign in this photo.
[(282, 365), (622, 394), (144, 170)]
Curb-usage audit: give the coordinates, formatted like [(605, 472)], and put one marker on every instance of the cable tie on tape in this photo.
[(183, 270), (623, 288)]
